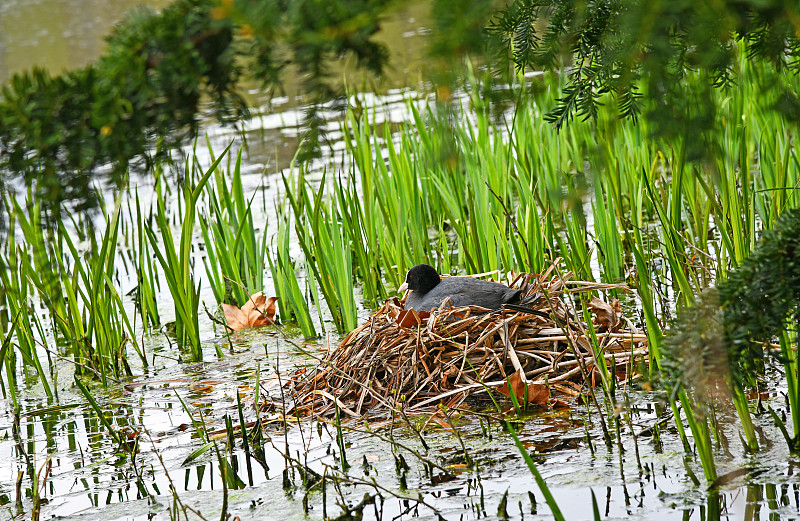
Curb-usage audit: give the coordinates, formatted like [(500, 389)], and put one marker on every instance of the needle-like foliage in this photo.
[(608, 46)]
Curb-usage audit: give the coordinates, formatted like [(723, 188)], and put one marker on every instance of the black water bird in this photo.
[(429, 290)]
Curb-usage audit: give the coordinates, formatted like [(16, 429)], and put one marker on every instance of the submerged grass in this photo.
[(24, 325), (77, 289), (107, 326)]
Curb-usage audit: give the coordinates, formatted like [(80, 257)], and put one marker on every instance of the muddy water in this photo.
[(57, 34), (644, 479)]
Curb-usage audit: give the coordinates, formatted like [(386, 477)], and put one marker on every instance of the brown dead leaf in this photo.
[(257, 311), (537, 394), (584, 343), (609, 316), (410, 318)]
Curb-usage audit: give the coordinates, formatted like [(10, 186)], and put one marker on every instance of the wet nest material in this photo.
[(421, 361)]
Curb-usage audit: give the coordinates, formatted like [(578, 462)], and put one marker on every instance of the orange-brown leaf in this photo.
[(257, 311), (536, 394), (410, 318)]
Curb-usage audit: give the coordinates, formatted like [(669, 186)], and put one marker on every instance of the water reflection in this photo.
[(57, 34), (90, 474)]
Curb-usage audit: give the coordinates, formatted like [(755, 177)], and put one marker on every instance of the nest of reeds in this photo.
[(421, 361)]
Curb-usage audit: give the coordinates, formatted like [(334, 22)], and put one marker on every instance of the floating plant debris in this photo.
[(421, 360), (257, 311)]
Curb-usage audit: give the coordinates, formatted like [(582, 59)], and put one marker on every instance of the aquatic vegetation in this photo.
[(462, 190), (78, 291), (319, 230), (146, 272), (236, 254), (292, 302), (176, 263), (740, 318), (23, 327), (454, 179)]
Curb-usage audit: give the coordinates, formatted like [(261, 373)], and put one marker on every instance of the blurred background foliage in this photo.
[(143, 96), (642, 51), (137, 101)]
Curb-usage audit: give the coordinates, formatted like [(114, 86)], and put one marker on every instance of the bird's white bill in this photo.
[(402, 287)]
